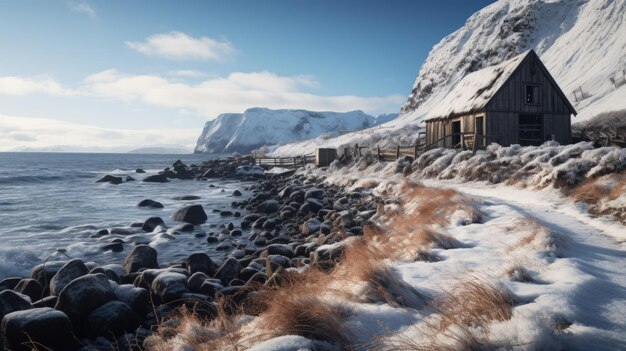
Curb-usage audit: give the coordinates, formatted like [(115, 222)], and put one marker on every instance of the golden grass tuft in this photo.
[(475, 302)]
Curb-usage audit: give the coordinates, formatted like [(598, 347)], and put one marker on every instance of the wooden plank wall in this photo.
[(505, 106)]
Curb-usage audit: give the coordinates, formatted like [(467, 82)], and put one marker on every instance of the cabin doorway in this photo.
[(530, 129), (456, 133), (479, 130)]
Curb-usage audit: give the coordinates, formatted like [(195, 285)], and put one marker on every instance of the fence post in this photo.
[(415, 152), (462, 141), (378, 152), (398, 152)]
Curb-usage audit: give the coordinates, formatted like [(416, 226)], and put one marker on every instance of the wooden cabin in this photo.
[(514, 102)]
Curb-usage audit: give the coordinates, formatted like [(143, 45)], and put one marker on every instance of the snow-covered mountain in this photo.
[(581, 42), (257, 127)]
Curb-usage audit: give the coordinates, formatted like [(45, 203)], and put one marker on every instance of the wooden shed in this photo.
[(514, 102)]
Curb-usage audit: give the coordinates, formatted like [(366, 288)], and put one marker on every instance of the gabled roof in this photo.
[(475, 90)]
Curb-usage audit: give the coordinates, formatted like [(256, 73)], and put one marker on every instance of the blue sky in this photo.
[(173, 65)]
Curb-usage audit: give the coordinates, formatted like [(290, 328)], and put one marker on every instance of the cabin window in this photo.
[(532, 94)]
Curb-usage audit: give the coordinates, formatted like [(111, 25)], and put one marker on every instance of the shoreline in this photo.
[(289, 222)]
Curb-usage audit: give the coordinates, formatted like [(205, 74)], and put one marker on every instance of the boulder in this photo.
[(45, 271), (9, 283), (200, 262), (150, 224), (311, 226), (229, 270), (186, 198), (48, 301), (138, 299), (37, 328), (280, 249), (195, 281), (269, 206), (11, 301), (142, 256), (237, 193), (71, 270), (139, 170), (113, 247), (110, 179), (31, 288), (82, 295), (314, 193), (170, 286), (193, 214), (156, 178), (112, 318), (150, 203)]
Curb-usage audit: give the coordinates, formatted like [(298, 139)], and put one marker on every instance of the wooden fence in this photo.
[(286, 162)]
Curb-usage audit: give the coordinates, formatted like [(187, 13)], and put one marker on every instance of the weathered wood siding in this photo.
[(510, 101), (437, 129)]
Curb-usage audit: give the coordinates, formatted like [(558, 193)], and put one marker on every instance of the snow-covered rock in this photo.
[(257, 127)]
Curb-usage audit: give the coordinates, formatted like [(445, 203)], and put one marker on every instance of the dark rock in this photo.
[(211, 239), (195, 281), (297, 196), (113, 317), (269, 206), (138, 299), (31, 288), (110, 179), (229, 270), (11, 301), (280, 249), (186, 197), (200, 262), (45, 271), (314, 204), (113, 247), (9, 283), (130, 179), (258, 278), (83, 294), (36, 329), (150, 203), (71, 270), (170, 286), (226, 213), (209, 287), (236, 232), (185, 227), (151, 223), (48, 301), (193, 214), (314, 193), (156, 178), (270, 223), (237, 193), (139, 170), (142, 256), (276, 261)]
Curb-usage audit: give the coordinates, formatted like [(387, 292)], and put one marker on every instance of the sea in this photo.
[(51, 207)]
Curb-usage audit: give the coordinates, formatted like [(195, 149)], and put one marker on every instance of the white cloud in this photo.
[(26, 133), (206, 97), (235, 93), (180, 46), (82, 7), (187, 73), (19, 86)]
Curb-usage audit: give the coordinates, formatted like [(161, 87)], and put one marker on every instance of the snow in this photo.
[(290, 343), (256, 127), (581, 43), (475, 90)]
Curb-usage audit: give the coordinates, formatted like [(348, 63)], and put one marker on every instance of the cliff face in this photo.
[(581, 42), (256, 127)]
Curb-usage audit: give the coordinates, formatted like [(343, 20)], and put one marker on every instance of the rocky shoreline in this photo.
[(289, 222)]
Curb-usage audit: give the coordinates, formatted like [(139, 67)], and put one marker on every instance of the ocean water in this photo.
[(50, 205)]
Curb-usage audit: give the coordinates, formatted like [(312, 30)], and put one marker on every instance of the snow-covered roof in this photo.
[(475, 90)]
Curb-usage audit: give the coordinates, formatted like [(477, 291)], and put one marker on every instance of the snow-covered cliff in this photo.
[(581, 42), (256, 127)]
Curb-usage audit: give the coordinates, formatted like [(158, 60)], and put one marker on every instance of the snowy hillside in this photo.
[(257, 127), (582, 43)]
